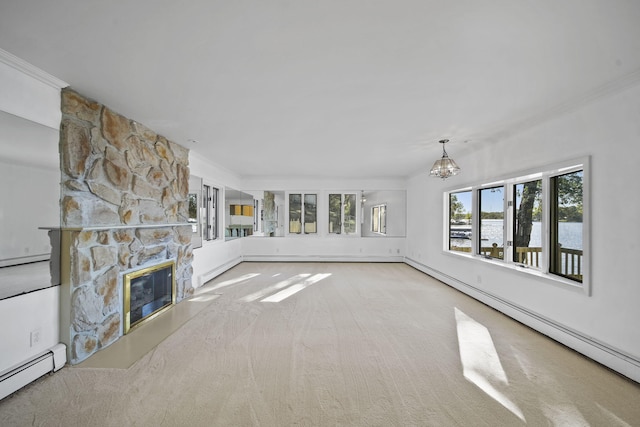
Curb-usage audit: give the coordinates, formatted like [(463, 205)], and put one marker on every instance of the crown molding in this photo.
[(31, 70)]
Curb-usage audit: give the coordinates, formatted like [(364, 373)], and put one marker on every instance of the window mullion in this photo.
[(546, 221), (342, 219), (475, 223), (508, 223)]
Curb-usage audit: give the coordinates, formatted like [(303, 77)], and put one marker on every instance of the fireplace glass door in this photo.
[(148, 292)]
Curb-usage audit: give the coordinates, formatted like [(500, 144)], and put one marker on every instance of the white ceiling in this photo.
[(341, 88)]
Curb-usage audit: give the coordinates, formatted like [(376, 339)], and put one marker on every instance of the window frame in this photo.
[(512, 224), (303, 213), (210, 212), (381, 218), (494, 253), (545, 174), (342, 230), (553, 221)]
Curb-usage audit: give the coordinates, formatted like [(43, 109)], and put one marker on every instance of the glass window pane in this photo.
[(193, 212), (491, 239), (460, 221), (209, 215), (527, 232), (295, 213), (566, 225), (310, 213), (213, 214), (335, 207), (374, 219), (383, 219), (350, 213), (204, 217)]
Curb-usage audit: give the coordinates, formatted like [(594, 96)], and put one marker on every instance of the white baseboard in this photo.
[(211, 274), (50, 361), (321, 258), (612, 358)]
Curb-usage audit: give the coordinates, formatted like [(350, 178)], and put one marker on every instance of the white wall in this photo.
[(35, 312), (603, 325), (323, 246)]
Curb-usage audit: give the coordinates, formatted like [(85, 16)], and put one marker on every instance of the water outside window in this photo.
[(567, 226), (460, 221), (491, 241)]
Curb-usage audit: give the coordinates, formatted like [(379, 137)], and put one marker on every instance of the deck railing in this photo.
[(569, 259)]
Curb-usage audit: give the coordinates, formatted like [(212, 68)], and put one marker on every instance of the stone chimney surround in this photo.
[(123, 203)]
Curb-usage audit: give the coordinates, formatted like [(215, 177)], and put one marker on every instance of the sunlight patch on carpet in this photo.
[(480, 361), (275, 287), (293, 289)]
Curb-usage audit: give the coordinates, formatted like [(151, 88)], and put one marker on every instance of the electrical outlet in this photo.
[(35, 337)]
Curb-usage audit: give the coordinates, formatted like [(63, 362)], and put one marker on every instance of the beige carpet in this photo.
[(331, 344)]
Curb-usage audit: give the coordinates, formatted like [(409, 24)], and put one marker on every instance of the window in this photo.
[(535, 220), (491, 239), (256, 206), (342, 214), (527, 232), (350, 220), (303, 215), (566, 229), (209, 217), (194, 201), (310, 213), (379, 219), (193, 211), (460, 221)]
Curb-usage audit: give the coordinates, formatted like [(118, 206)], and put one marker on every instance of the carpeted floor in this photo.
[(326, 344)]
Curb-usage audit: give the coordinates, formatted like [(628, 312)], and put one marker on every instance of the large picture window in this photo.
[(536, 220)]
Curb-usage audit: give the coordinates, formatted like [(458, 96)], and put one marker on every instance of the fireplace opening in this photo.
[(147, 293)]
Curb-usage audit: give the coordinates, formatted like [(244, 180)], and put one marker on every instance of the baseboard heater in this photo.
[(24, 374)]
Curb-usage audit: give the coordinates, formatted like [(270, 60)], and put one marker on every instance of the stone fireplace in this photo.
[(124, 192)]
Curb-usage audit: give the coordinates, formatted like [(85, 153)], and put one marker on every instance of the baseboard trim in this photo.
[(212, 274), (608, 356), (321, 258)]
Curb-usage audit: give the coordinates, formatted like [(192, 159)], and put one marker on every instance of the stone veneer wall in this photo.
[(123, 207)]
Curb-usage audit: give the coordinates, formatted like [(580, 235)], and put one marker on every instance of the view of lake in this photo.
[(570, 234)]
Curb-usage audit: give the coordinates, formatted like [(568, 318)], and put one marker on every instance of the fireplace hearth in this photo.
[(147, 293)]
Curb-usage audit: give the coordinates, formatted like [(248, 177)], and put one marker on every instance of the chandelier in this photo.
[(444, 167)]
